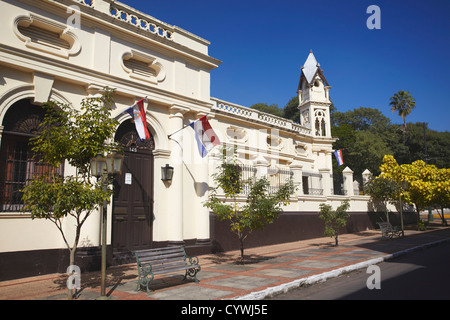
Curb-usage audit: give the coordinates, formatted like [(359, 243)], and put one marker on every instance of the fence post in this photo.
[(326, 183), (297, 169), (261, 165), (348, 181), (366, 176)]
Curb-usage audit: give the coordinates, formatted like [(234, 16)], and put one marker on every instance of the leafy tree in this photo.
[(261, 208), (347, 138), (361, 119), (367, 152), (76, 137), (441, 192), (291, 110), (272, 109), (427, 185), (403, 103), (363, 135), (438, 148), (421, 143), (334, 220), (383, 189)]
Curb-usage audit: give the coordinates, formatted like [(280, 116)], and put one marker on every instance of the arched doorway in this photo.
[(132, 216)]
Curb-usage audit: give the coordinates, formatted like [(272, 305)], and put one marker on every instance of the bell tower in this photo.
[(314, 99)]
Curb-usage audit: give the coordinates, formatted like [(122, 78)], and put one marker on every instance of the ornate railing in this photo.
[(88, 3), (258, 116), (146, 23), (134, 17)]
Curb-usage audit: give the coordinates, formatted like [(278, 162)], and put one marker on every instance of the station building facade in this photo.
[(67, 50)]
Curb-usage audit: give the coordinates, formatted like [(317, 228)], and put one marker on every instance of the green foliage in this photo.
[(418, 136), (76, 137), (229, 178), (61, 197), (291, 110), (334, 219), (369, 124), (272, 109), (403, 103), (366, 136), (383, 189), (424, 185), (261, 207), (365, 119), (367, 152)]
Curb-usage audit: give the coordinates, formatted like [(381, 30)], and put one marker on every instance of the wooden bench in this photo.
[(164, 260), (388, 231)]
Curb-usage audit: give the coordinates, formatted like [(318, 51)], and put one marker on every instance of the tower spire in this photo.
[(313, 98)]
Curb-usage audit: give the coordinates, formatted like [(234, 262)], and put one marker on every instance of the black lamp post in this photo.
[(104, 168)]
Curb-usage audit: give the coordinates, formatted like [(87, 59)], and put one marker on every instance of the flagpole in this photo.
[(178, 130)]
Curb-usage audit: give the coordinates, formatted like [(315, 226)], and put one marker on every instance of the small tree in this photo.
[(76, 137), (334, 220), (260, 209), (383, 189)]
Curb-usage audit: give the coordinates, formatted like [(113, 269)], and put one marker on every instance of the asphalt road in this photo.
[(422, 274)]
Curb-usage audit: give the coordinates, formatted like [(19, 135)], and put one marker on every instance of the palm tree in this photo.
[(402, 102)]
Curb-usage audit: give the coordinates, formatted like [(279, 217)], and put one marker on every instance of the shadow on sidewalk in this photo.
[(91, 280)]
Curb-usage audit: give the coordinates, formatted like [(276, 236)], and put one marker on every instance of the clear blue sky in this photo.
[(264, 43)]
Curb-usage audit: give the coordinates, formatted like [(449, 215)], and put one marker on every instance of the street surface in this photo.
[(421, 274)]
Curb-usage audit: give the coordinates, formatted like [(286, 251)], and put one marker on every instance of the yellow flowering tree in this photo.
[(427, 185), (441, 191)]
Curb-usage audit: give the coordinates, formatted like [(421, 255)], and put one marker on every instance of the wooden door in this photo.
[(132, 216)]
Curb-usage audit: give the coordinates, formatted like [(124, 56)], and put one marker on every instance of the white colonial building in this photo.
[(67, 50)]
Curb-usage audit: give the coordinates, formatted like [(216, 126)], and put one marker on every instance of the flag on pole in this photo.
[(339, 158), (137, 112), (205, 136)]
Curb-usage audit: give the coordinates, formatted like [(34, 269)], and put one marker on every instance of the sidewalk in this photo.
[(270, 270)]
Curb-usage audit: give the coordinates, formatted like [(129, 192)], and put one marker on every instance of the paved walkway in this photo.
[(269, 270)]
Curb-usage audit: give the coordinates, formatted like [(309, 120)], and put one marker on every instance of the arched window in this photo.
[(320, 124), (18, 163)]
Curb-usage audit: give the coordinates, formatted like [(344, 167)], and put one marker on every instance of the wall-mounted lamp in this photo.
[(166, 173)]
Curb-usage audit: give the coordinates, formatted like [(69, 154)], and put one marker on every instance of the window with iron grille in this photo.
[(278, 177), (247, 175), (18, 163)]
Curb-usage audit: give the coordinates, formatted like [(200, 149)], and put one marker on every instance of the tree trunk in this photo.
[(241, 241), (418, 215), (444, 222), (70, 292)]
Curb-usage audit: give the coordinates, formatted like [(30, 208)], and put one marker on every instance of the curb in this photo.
[(285, 287)]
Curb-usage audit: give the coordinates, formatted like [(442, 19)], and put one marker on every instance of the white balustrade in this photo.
[(141, 23), (259, 116)]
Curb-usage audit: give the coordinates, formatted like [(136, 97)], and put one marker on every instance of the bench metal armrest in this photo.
[(145, 268), (191, 260)]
